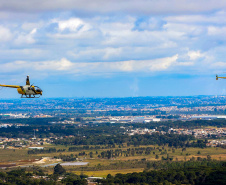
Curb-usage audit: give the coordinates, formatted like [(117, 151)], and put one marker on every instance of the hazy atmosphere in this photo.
[(113, 48)]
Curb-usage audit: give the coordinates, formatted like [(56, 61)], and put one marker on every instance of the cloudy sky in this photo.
[(113, 48)]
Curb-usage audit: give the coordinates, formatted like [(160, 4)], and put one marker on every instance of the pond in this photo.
[(67, 164), (74, 163)]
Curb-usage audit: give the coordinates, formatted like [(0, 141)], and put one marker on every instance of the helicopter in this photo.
[(27, 91), (220, 77)]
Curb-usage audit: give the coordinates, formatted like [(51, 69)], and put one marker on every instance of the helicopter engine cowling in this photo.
[(20, 91)]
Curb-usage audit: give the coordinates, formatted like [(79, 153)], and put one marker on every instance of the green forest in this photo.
[(190, 172), (186, 175)]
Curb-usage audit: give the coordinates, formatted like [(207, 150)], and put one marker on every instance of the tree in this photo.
[(91, 154), (74, 179), (148, 165), (208, 158), (59, 170)]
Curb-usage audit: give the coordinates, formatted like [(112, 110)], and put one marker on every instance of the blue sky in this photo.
[(114, 48)]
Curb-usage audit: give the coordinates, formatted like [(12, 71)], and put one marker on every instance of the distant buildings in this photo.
[(20, 115), (214, 143), (200, 133), (209, 117), (126, 119), (6, 125)]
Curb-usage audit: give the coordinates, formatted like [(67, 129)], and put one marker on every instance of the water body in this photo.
[(74, 163), (67, 164), (47, 165)]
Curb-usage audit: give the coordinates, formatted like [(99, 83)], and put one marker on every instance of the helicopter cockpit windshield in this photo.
[(38, 89)]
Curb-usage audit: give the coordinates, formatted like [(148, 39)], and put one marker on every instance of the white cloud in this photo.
[(216, 30), (26, 38), (62, 65), (5, 34), (94, 43), (184, 29), (219, 64), (111, 38), (66, 66), (72, 24), (25, 54), (193, 55)]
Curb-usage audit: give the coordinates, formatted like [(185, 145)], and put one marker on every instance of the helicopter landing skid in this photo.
[(29, 96)]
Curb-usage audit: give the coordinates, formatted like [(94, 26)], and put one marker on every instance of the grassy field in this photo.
[(13, 155), (20, 156)]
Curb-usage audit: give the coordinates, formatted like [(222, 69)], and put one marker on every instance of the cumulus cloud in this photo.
[(61, 65), (66, 66), (130, 38), (115, 43), (72, 24), (193, 55)]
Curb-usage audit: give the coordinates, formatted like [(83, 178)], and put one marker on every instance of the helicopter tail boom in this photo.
[(11, 86)]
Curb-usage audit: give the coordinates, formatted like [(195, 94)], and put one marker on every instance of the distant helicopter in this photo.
[(220, 77), (27, 91)]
